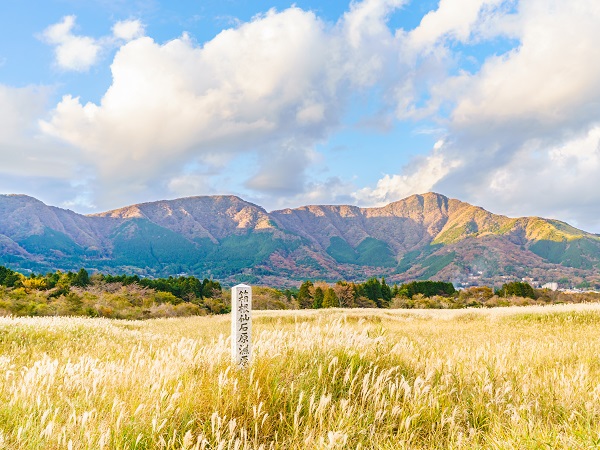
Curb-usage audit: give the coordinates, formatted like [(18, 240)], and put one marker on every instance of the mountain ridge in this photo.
[(421, 236)]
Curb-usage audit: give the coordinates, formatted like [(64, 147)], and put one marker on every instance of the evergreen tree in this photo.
[(52, 279), (318, 298), (518, 289), (330, 300), (386, 292), (305, 299), (372, 290), (428, 288), (210, 288), (81, 279), (9, 278)]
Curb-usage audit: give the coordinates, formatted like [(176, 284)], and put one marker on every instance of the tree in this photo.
[(34, 283), (330, 300), (318, 298), (372, 290), (191, 287), (210, 288), (517, 289), (428, 288), (305, 298), (386, 291), (344, 292), (9, 278), (479, 293), (81, 279)]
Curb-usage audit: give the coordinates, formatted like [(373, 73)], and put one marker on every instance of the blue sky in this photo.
[(106, 103)]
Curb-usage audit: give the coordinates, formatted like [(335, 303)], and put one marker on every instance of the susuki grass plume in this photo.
[(502, 378)]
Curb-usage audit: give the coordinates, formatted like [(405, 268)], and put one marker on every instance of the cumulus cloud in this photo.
[(557, 180), (521, 110), (418, 177), (282, 172), (128, 30), (79, 53), (72, 52), (191, 184), (270, 90), (429, 53), (550, 80), (370, 41), (457, 21), (32, 163), (21, 146), (522, 133), (328, 190), (274, 86)]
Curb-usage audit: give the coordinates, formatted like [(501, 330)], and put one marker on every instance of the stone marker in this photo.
[(241, 324)]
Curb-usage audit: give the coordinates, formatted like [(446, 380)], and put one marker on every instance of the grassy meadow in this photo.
[(503, 378)]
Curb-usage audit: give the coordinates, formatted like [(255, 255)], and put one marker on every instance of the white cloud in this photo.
[(419, 177), (282, 172), (128, 30), (79, 53), (248, 89), (330, 190), (522, 136), (429, 52), (191, 184), (22, 150), (271, 89), (366, 21), (72, 52), (275, 87), (559, 181), (367, 51), (512, 116), (456, 20), (32, 163), (549, 81)]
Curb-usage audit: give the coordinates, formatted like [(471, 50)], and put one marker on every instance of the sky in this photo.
[(106, 103)]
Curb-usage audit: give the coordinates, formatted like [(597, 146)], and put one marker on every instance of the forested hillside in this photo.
[(224, 237)]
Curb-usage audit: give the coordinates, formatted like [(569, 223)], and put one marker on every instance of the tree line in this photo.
[(105, 295), (134, 297), (371, 293), (184, 288)]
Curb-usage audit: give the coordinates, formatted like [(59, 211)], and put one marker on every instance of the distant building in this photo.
[(531, 281), (552, 286)]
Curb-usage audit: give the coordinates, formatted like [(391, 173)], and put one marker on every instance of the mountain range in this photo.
[(427, 236)]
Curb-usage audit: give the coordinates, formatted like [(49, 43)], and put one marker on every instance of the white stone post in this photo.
[(241, 324)]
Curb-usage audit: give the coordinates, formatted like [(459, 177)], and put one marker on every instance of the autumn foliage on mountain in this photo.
[(423, 237)]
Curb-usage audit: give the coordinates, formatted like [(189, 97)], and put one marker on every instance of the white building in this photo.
[(552, 286)]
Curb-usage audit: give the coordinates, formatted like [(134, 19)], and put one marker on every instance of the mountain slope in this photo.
[(199, 217), (422, 236)]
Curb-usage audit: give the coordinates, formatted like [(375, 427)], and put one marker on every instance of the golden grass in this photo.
[(505, 378)]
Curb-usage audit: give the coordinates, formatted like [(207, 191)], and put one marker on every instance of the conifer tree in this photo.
[(318, 298), (305, 299), (386, 292), (81, 279), (330, 300)]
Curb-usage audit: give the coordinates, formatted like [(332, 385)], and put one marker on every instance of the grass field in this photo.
[(504, 378)]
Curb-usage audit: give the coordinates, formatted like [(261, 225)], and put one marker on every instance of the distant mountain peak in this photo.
[(422, 236), (22, 197)]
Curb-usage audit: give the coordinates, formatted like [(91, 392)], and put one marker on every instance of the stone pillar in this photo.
[(241, 324)]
